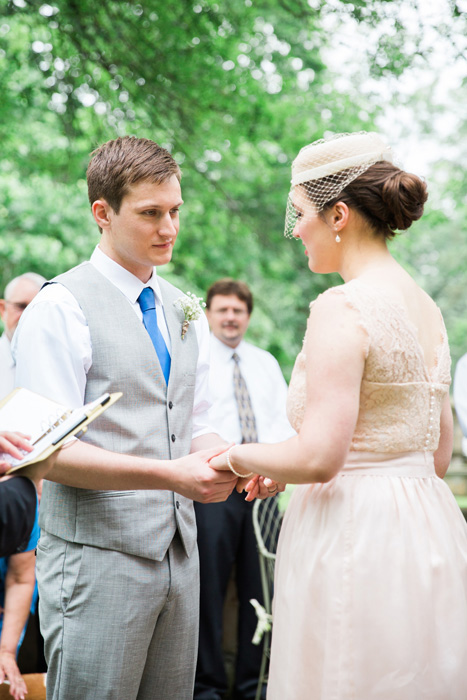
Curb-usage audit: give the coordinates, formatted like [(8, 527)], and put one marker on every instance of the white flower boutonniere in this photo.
[(191, 306)]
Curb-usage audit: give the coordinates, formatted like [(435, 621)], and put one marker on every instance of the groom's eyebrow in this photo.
[(154, 205)]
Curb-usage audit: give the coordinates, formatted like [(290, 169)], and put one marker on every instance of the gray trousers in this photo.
[(117, 626)]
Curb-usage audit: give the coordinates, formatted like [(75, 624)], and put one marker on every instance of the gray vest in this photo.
[(150, 420)]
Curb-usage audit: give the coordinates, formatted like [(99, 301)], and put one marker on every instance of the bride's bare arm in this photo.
[(335, 358), (443, 454)]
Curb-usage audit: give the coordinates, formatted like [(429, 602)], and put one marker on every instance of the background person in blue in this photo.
[(19, 534), (17, 586), (17, 496)]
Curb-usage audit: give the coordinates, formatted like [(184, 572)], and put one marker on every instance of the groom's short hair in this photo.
[(118, 164), (227, 286)]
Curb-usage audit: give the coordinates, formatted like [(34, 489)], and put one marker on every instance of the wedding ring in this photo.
[(272, 490)]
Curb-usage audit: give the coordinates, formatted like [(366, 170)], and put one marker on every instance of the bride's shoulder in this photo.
[(335, 319), (342, 296), (335, 306), (339, 309)]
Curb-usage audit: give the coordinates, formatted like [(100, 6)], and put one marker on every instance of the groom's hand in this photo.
[(198, 480)]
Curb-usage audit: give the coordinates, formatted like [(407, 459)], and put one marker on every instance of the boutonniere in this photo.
[(191, 306)]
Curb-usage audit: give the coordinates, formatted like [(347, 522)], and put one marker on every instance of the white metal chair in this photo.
[(267, 520)]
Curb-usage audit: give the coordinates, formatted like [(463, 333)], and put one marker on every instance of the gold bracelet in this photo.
[(229, 464)]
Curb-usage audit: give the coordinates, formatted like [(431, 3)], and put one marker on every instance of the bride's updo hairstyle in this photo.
[(386, 196), (356, 169)]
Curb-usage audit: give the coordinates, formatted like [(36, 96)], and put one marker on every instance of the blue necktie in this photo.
[(147, 304)]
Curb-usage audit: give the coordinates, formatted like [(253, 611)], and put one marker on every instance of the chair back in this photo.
[(267, 520)]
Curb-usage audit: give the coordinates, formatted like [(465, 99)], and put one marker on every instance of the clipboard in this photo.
[(48, 423)]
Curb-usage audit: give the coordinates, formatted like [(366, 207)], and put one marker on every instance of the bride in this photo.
[(371, 577)]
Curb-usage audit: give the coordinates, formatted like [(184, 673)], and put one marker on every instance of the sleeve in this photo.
[(18, 505), (52, 347), (460, 393), (202, 398)]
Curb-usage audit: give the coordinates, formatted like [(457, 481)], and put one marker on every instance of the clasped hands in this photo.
[(255, 485)]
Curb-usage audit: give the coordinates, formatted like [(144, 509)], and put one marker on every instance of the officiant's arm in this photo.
[(15, 444), (335, 349)]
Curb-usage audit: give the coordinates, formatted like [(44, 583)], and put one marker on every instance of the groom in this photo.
[(117, 564)]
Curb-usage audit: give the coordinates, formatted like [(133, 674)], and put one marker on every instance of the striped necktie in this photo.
[(245, 411)]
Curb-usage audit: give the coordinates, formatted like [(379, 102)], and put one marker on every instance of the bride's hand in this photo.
[(219, 462), (256, 486), (261, 487)]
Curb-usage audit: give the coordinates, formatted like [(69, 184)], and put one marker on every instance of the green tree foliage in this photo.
[(232, 89)]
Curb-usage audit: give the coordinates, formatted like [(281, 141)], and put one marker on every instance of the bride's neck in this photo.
[(364, 258)]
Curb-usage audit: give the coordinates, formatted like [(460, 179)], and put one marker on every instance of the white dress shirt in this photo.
[(460, 398), (266, 386), (53, 350), (7, 367)]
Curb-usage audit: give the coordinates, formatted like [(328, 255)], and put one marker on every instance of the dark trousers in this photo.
[(225, 538)]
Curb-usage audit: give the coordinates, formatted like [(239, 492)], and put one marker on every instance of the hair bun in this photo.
[(404, 195)]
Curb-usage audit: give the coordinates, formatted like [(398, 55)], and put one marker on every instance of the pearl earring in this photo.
[(338, 238)]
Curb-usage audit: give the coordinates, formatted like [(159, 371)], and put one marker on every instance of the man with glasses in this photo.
[(18, 294)]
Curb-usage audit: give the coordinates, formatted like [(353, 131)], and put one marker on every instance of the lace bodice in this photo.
[(400, 399)]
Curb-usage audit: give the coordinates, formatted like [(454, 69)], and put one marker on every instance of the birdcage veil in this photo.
[(325, 167)]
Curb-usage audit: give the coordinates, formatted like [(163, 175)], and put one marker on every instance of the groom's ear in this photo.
[(101, 211)]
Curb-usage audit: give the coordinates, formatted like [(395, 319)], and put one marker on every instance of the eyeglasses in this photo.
[(19, 305)]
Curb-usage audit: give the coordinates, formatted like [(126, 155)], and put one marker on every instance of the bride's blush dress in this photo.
[(371, 578)]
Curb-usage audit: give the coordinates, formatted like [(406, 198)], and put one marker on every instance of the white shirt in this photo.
[(52, 344), (460, 398), (266, 386), (7, 367)]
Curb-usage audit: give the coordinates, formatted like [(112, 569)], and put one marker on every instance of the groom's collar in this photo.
[(130, 285)]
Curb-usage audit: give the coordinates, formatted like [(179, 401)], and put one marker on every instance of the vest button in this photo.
[(177, 504), (173, 438), (171, 404)]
